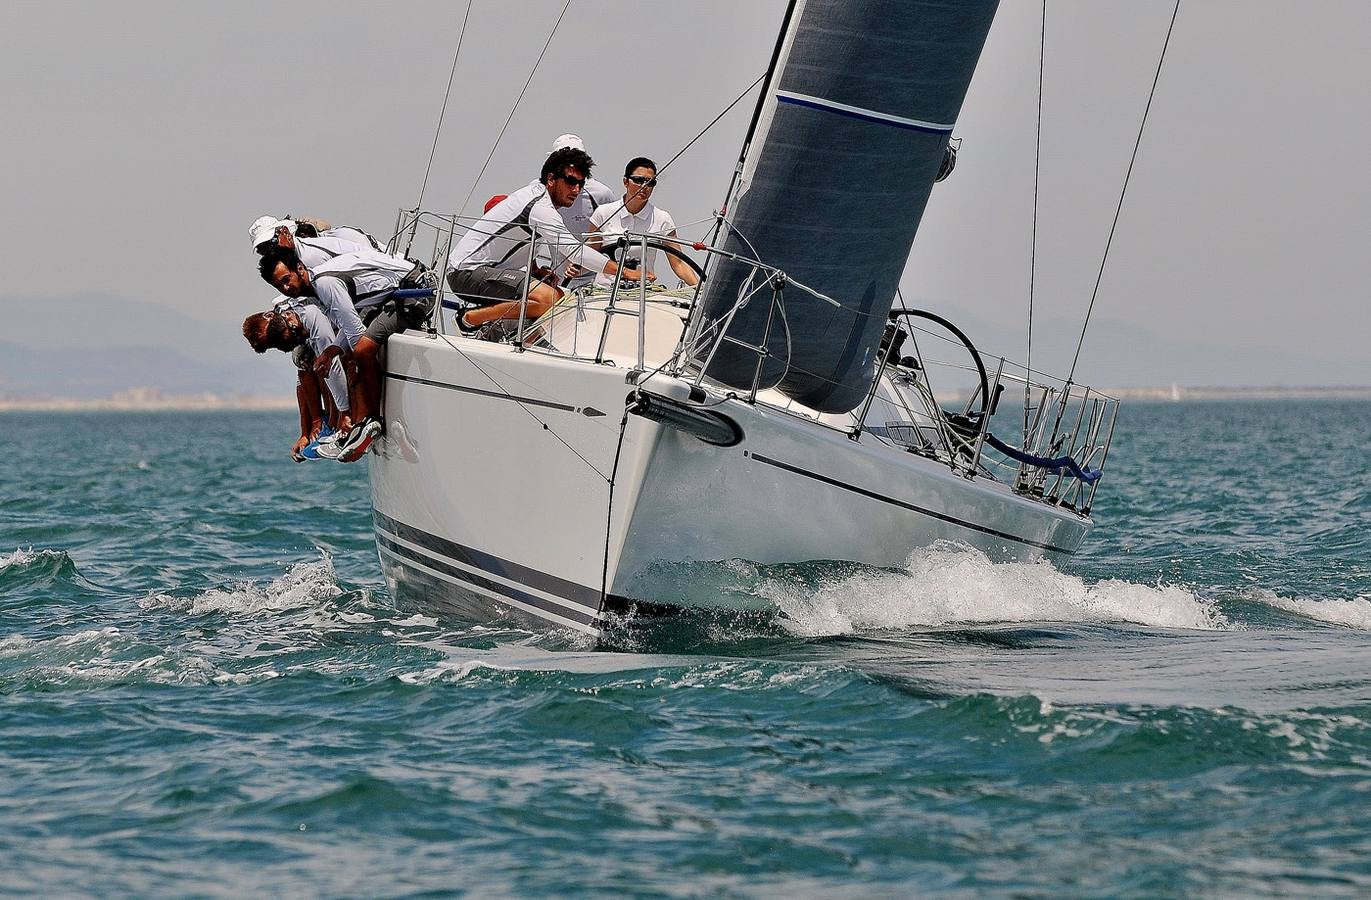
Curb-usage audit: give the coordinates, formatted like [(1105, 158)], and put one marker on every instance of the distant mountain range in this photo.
[(95, 346)]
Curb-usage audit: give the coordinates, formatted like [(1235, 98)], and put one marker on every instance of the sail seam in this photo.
[(857, 112)]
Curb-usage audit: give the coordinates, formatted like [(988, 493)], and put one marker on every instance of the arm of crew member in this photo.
[(333, 297), (679, 266), (565, 248), (337, 384)]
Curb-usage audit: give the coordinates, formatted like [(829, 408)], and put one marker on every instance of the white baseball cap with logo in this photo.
[(264, 229), (568, 140)]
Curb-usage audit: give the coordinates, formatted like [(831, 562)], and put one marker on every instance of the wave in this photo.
[(1354, 613), (36, 565), (953, 584), (304, 585), (98, 655)]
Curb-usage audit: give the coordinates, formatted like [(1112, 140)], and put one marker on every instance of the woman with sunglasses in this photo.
[(636, 214)]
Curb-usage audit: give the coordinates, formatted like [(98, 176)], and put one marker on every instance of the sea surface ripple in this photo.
[(206, 690)]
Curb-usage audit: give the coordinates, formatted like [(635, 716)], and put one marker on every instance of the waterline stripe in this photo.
[(909, 506), (443, 573), (857, 112), (492, 582), (533, 579)]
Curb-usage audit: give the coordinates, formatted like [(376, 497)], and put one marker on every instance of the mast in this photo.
[(836, 171)]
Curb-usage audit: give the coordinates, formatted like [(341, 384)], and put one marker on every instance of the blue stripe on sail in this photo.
[(853, 112)]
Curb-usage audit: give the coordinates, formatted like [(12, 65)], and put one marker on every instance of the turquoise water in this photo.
[(205, 689)]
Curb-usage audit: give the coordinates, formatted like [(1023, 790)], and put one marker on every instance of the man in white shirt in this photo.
[(636, 214), (304, 331), (489, 267), (577, 216), (349, 289), (594, 195), (269, 232)]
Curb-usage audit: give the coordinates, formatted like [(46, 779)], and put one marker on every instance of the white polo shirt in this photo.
[(614, 219)]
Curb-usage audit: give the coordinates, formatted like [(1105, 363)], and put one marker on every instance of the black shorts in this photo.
[(486, 285)]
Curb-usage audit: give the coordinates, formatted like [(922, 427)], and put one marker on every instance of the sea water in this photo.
[(205, 689)]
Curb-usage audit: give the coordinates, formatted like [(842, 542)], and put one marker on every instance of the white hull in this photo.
[(492, 490)]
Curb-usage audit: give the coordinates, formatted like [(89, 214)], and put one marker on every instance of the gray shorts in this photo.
[(486, 285), (385, 322)]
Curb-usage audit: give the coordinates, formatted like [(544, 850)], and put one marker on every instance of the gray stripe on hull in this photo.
[(579, 594), (446, 567), (472, 600)]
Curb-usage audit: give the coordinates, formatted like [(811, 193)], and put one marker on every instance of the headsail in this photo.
[(850, 141)]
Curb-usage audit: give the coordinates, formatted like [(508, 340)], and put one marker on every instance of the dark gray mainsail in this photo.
[(850, 139)]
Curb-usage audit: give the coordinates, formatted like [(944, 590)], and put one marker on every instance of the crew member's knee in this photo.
[(366, 350)]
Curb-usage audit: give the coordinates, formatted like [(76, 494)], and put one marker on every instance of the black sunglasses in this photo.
[(572, 180), (642, 179)]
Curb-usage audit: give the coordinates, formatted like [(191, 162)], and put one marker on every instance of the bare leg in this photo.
[(368, 377), (541, 298)]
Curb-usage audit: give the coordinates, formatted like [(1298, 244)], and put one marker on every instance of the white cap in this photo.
[(264, 229), (568, 140)]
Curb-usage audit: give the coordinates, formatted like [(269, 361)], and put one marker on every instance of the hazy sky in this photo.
[(140, 139)]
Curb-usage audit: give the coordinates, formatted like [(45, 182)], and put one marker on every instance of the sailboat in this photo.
[(783, 411)]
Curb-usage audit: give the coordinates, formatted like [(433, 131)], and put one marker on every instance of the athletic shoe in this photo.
[(496, 331), (359, 440), (462, 325), (326, 446)]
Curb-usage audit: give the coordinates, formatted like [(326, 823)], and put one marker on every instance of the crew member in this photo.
[(489, 265), (269, 232), (636, 214), (350, 289), (304, 331)]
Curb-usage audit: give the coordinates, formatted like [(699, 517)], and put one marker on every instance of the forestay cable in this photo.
[(443, 112), (1119, 209), (1033, 248)]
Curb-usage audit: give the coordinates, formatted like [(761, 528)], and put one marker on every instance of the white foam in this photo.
[(951, 584), (1354, 613), (23, 557), (309, 584)]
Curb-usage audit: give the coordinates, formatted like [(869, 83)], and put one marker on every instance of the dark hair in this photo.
[(266, 266), (306, 230), (566, 158), (255, 330), (639, 162)]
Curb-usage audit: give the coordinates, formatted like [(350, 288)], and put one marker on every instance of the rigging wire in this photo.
[(515, 107), (1033, 251), (713, 122), (703, 131), (505, 391), (1119, 209), (443, 112)]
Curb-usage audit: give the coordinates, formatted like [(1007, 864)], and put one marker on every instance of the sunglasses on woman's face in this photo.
[(642, 180)]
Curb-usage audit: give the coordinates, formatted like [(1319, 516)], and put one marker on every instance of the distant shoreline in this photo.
[(149, 400)]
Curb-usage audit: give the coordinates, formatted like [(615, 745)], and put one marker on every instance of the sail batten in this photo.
[(849, 145)]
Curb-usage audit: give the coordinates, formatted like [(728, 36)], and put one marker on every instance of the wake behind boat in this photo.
[(781, 411)]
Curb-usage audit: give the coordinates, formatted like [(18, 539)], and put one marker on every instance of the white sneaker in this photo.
[(358, 440), (327, 446)]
